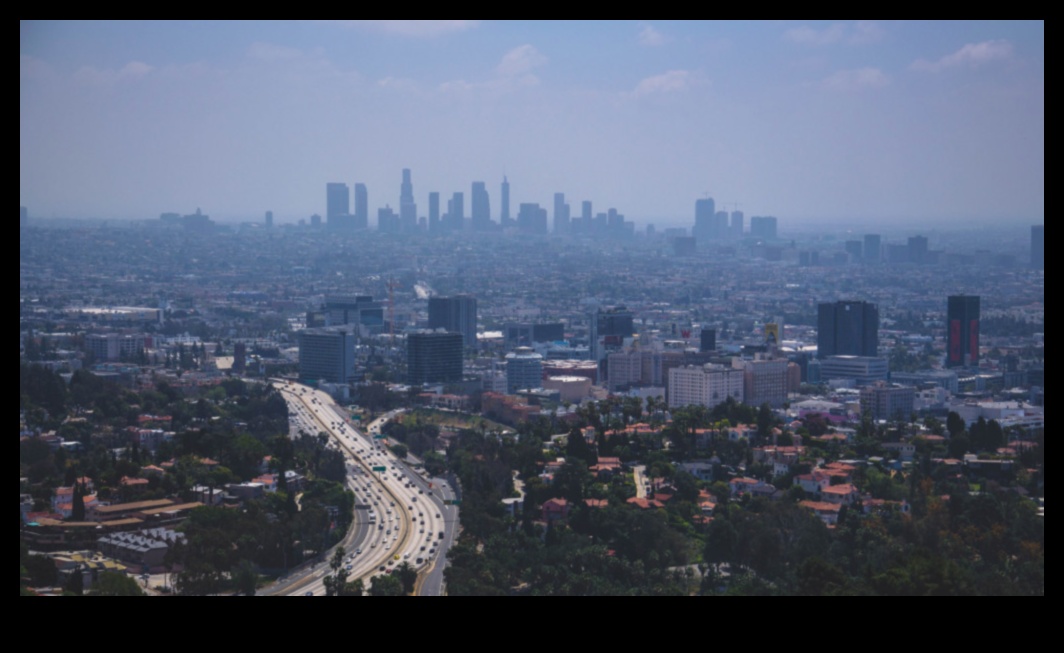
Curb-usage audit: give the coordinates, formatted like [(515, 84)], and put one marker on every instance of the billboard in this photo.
[(772, 334)]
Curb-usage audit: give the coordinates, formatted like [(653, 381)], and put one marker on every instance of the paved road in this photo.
[(405, 520), (434, 585), (641, 483)]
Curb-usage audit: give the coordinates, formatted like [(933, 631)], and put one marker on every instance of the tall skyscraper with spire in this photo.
[(505, 215), (407, 206)]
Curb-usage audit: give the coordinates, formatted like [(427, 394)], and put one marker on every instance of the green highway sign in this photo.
[(380, 470)]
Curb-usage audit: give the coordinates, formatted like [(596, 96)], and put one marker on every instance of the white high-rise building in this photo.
[(707, 386)]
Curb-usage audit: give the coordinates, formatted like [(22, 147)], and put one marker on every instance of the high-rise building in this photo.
[(708, 341), (337, 203), (855, 249), (532, 219), (456, 213), (918, 246), (766, 382), (861, 370), (481, 207), (962, 334), (433, 357), (764, 228), (315, 221), (269, 219), (608, 329), (326, 355), (586, 214), (240, 358), (709, 386), (23, 217), (561, 214), (361, 207), (387, 221), (524, 370), (504, 217), (455, 315), (848, 329), (113, 347), (1038, 247), (407, 206), (873, 249), (738, 224), (634, 368), (705, 220), (888, 402), (434, 212)]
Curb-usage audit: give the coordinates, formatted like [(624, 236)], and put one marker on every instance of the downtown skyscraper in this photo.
[(481, 207), (505, 216), (407, 206)]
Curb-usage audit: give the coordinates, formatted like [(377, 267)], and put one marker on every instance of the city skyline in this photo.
[(809, 121)]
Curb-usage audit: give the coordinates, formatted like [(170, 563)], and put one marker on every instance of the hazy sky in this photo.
[(828, 121)]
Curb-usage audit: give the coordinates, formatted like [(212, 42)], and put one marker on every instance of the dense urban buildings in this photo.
[(1038, 247)]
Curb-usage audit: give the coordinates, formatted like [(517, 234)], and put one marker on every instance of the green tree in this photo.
[(955, 425), (115, 584), (78, 512), (408, 577), (245, 579), (336, 583), (75, 585), (387, 586)]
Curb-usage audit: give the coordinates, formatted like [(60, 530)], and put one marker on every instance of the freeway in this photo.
[(404, 520)]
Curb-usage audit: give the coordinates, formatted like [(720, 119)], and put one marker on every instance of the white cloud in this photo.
[(860, 33), (806, 35), (520, 61), (413, 28), (398, 84), (651, 37), (848, 80), (866, 31), (272, 53), (973, 54), (29, 68), (513, 72), (131, 72), (674, 81)]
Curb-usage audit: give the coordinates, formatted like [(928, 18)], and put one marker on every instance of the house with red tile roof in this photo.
[(555, 510), (750, 487), (646, 504), (826, 512), (845, 495)]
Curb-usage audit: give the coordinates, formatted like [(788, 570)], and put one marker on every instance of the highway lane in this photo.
[(316, 410), (410, 529)]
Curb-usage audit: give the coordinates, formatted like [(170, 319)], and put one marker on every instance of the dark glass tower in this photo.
[(963, 332), (848, 329)]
